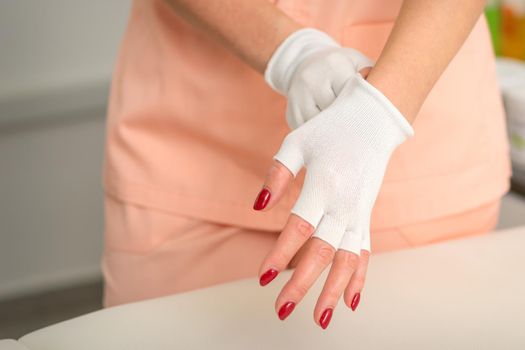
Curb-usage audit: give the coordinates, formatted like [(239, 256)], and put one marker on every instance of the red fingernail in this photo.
[(268, 276), (355, 301), (262, 199), (324, 321), (286, 310)]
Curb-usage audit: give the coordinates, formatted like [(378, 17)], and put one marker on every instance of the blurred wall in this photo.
[(54, 43), (55, 64)]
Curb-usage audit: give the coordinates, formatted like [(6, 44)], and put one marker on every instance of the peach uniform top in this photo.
[(192, 129)]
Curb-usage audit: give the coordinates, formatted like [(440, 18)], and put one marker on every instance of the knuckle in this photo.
[(298, 289), (324, 254), (304, 229), (332, 295), (309, 77), (365, 255)]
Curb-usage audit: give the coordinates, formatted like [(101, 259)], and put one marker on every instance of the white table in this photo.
[(462, 294), (10, 344)]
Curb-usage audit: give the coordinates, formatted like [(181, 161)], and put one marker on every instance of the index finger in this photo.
[(275, 185)]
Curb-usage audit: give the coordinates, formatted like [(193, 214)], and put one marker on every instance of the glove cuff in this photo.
[(291, 53), (394, 113)]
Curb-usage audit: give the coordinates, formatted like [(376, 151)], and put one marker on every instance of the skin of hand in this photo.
[(226, 21), (402, 73)]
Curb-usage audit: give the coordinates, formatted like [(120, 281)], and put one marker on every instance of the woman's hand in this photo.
[(345, 150), (310, 69), (310, 257)]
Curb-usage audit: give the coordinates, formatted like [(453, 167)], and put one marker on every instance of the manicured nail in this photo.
[(355, 301), (262, 199), (268, 276), (324, 321), (286, 310)]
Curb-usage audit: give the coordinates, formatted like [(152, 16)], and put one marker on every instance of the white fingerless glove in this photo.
[(345, 149), (310, 69)]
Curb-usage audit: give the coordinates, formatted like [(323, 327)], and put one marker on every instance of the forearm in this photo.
[(425, 38), (250, 29)]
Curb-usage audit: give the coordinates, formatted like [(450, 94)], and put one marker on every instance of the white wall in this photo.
[(56, 58)]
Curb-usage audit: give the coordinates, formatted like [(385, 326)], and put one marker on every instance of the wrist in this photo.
[(283, 29), (377, 108), (400, 96)]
